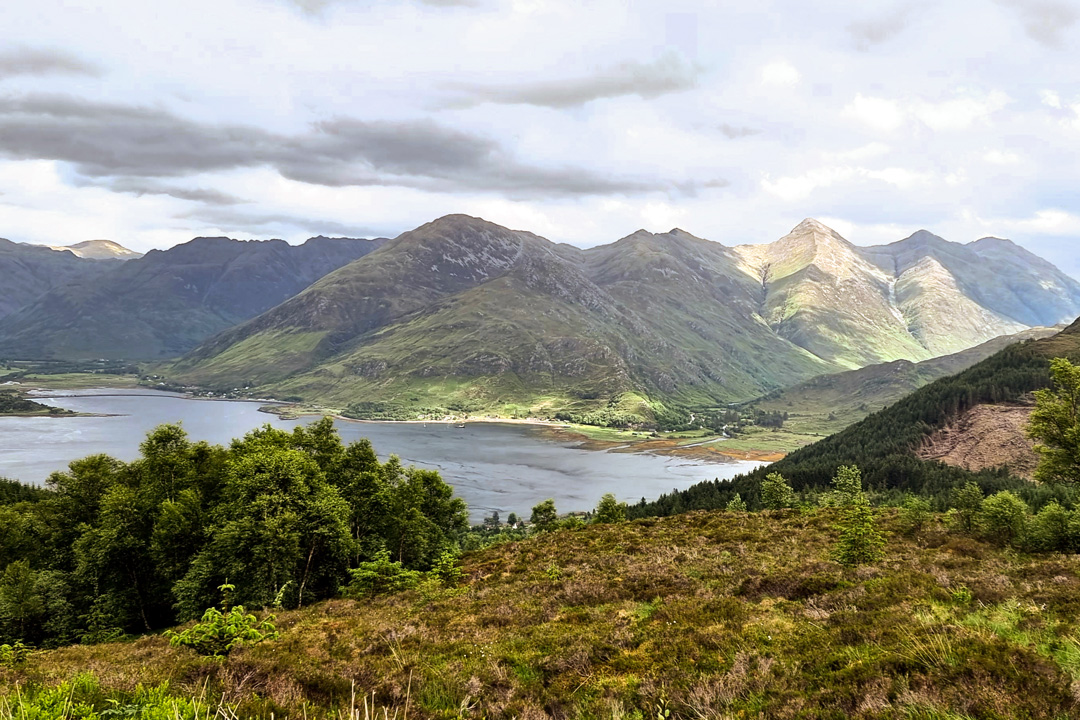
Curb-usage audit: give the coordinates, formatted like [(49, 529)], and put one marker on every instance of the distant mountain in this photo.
[(99, 250), (164, 303), (464, 311), (28, 271), (913, 300)]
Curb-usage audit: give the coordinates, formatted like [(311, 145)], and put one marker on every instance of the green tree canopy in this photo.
[(1055, 425)]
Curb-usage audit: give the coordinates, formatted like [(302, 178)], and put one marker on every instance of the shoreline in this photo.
[(704, 451), (707, 449)]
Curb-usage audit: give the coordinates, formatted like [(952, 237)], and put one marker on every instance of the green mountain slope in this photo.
[(461, 311), (885, 444), (829, 403), (166, 302)]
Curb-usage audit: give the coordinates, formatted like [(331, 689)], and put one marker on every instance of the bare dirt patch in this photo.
[(987, 436)]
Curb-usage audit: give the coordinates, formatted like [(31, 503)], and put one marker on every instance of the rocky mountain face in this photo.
[(462, 308), (166, 302), (28, 271), (99, 250), (466, 310), (912, 300)]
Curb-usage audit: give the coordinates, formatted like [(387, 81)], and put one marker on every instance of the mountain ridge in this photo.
[(464, 310), (166, 302)]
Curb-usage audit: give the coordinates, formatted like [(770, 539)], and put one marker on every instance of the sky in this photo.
[(150, 123)]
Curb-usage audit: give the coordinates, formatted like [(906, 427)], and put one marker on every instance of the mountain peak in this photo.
[(98, 250), (924, 238), (458, 222), (991, 241), (812, 235), (812, 225)]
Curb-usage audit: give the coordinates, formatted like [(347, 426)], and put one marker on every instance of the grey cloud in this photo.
[(733, 132), (42, 62), (233, 221), (114, 141), (1045, 20), (667, 74), (139, 186), (877, 30)]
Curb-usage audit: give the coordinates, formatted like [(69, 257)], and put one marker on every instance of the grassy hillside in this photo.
[(884, 444), (829, 403), (464, 312), (706, 615)]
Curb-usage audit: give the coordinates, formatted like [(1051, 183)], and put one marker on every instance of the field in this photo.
[(705, 615)]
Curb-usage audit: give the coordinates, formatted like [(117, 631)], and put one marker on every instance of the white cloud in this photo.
[(801, 186), (1050, 98), (912, 116), (959, 113), (780, 72), (875, 112), (1001, 157)]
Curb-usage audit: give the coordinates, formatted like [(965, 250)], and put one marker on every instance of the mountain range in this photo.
[(28, 271), (467, 311), (164, 303)]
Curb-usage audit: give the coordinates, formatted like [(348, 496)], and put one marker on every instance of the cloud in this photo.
[(239, 222), (115, 141), (960, 113), (733, 132), (669, 73), (1045, 21), (780, 73), (140, 187), (314, 7), (42, 62), (875, 31), (878, 113)]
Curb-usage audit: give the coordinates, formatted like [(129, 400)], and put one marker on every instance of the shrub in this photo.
[(1003, 517), (776, 494), (220, 631), (13, 656), (968, 502), (914, 514), (544, 516), (446, 569), (736, 504), (860, 541), (609, 510), (847, 485), (380, 576), (1052, 529)]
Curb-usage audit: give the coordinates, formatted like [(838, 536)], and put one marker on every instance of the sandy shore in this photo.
[(707, 451)]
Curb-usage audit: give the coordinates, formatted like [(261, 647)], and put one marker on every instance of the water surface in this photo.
[(503, 467)]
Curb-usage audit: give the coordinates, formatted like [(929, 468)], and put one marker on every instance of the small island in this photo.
[(15, 403)]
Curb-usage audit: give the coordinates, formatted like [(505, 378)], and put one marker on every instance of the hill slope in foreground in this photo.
[(705, 615)]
